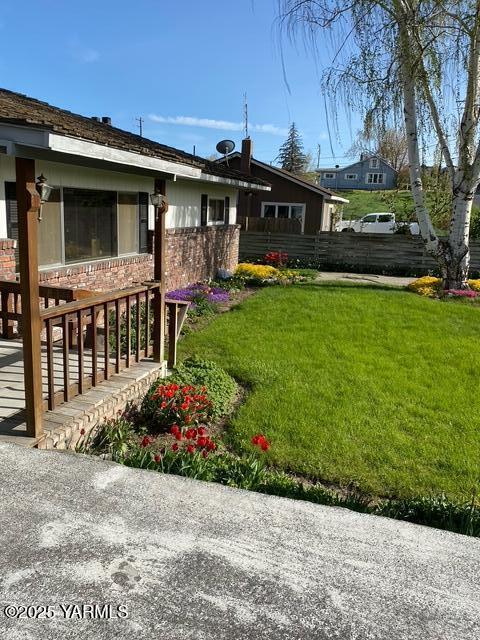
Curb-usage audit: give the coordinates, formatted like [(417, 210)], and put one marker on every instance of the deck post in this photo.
[(28, 205), (159, 269)]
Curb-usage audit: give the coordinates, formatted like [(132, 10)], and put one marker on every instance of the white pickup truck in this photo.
[(378, 223)]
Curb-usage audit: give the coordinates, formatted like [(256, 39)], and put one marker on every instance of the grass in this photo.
[(363, 202), (356, 384)]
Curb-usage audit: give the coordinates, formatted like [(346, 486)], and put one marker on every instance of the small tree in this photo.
[(416, 61), (291, 156)]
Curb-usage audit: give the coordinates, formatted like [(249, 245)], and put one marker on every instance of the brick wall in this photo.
[(104, 275), (197, 253), (193, 254), (7, 259)]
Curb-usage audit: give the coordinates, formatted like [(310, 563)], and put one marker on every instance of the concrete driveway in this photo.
[(184, 559)]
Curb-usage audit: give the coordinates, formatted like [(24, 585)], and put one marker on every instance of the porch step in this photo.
[(63, 425)]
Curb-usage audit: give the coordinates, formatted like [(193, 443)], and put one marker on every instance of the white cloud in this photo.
[(225, 125)]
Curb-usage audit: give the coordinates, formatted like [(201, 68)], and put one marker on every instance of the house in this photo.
[(290, 198), (371, 172), (95, 226)]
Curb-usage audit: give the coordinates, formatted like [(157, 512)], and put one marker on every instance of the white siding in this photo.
[(184, 198)]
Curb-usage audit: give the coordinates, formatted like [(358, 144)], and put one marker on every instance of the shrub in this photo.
[(221, 387), (171, 404)]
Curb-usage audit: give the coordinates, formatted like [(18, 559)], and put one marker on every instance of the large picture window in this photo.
[(79, 225)]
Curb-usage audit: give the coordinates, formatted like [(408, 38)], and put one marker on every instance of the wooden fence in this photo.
[(275, 225), (389, 252)]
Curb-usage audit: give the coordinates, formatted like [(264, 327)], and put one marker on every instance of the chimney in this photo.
[(246, 156), (106, 120)]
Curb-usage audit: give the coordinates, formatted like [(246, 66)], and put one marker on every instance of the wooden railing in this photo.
[(96, 338), (11, 308)]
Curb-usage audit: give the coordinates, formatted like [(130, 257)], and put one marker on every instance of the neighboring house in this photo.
[(290, 196), (371, 172), (95, 227)]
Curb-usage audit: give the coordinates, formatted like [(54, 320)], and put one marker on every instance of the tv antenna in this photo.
[(140, 121), (245, 114)]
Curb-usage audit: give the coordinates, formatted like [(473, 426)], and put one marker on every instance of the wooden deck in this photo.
[(12, 387)]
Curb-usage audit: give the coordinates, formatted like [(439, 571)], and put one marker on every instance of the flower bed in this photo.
[(199, 292), (431, 287)]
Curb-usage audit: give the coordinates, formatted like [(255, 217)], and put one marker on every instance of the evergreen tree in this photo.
[(291, 156)]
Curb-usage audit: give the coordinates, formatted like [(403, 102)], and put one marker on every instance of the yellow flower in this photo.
[(474, 284), (260, 271), (426, 286)]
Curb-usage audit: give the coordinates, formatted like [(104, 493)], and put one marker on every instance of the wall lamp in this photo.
[(44, 190)]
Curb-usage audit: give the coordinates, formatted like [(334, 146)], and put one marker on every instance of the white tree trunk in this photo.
[(410, 115)]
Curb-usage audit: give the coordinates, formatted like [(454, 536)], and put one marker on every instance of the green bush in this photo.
[(221, 387)]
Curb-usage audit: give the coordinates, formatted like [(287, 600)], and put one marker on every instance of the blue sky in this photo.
[(183, 66)]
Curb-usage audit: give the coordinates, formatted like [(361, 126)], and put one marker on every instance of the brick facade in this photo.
[(7, 259), (193, 254), (197, 253)]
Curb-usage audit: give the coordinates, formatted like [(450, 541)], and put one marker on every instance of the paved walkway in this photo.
[(365, 278), (198, 561)]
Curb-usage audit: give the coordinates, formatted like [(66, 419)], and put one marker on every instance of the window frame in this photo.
[(215, 222), (285, 204), (368, 181), (351, 176), (329, 176), (374, 163)]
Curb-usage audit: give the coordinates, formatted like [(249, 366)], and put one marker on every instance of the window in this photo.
[(329, 176), (283, 210), (90, 224), (216, 211), (374, 163), (351, 176), (50, 231), (127, 223), (85, 224), (370, 218), (385, 218), (375, 178)]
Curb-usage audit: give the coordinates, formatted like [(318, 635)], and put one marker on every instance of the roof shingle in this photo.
[(16, 108)]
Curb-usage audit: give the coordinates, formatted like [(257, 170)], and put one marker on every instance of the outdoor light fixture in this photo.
[(44, 190), (160, 203)]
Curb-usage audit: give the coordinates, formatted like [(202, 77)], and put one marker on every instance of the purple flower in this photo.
[(197, 291)]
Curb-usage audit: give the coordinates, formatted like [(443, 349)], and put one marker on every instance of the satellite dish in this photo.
[(225, 147)]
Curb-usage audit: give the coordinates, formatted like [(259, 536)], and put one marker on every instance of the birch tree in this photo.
[(416, 61)]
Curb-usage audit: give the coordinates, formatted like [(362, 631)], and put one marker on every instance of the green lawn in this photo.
[(356, 383), (363, 202)]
